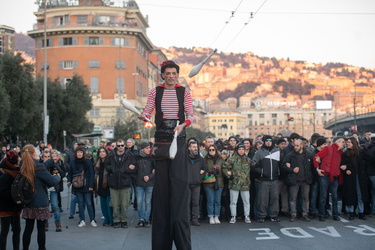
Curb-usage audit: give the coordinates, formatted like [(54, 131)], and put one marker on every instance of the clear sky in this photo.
[(317, 31)]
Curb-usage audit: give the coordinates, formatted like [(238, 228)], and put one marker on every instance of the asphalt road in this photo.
[(344, 234)]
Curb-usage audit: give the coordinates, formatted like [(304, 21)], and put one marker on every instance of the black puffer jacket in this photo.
[(291, 178), (369, 157), (7, 206), (266, 165), (118, 169), (195, 165), (145, 167)]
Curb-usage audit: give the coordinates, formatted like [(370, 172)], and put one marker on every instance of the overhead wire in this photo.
[(225, 25), (267, 13), (252, 15)]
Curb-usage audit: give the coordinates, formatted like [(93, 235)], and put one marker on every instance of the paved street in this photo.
[(344, 234)]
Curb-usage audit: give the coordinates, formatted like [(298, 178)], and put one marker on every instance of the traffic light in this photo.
[(290, 119)]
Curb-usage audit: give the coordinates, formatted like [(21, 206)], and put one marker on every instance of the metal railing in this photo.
[(131, 25), (50, 4), (360, 114)]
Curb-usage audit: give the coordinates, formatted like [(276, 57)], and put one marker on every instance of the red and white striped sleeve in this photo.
[(150, 106), (188, 104)]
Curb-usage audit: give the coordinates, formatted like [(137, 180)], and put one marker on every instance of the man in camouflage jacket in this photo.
[(237, 169)]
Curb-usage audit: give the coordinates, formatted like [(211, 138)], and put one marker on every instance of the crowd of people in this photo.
[(232, 179), (227, 179)]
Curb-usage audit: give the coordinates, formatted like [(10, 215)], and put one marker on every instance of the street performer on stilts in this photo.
[(172, 103)]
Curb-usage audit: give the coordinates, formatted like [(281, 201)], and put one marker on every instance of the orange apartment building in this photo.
[(105, 43)]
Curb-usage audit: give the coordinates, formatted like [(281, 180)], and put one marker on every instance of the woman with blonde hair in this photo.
[(39, 179)]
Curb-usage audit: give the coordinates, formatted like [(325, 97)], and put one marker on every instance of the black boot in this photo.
[(362, 216), (351, 216)]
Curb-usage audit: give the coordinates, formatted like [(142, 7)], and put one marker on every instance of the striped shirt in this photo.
[(169, 104)]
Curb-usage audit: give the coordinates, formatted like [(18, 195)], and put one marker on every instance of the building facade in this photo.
[(105, 43), (6, 38), (225, 122)]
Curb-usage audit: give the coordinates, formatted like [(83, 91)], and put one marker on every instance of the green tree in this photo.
[(127, 128), (4, 100), (19, 85), (67, 109)]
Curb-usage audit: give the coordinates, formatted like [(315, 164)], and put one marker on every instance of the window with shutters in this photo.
[(95, 113), (94, 84), (68, 64), (120, 85), (61, 20), (120, 41), (120, 64), (82, 19), (45, 65), (65, 81), (93, 40), (67, 41), (94, 64), (41, 43)]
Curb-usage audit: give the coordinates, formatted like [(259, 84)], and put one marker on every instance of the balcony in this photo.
[(131, 24), (50, 4)]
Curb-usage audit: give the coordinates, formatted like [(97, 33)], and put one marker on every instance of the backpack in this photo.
[(21, 191)]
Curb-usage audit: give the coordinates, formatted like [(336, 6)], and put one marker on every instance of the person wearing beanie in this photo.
[(144, 184), (9, 210), (321, 142), (237, 170), (172, 103), (266, 162)]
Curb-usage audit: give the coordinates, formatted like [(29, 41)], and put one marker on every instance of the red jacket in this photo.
[(330, 159)]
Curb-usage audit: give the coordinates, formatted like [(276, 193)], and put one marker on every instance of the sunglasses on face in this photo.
[(211, 149), (121, 146), (269, 140)]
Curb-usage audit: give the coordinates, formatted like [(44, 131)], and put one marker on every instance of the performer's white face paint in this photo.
[(170, 76)]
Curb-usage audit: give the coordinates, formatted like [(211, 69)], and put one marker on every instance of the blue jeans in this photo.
[(314, 191), (372, 180), (213, 201), (326, 185), (73, 204), (144, 195), (55, 205), (107, 210), (84, 198), (359, 199)]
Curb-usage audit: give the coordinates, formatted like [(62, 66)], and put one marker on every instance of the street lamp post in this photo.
[(45, 116)]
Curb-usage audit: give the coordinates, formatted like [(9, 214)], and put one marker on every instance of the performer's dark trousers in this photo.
[(170, 203)]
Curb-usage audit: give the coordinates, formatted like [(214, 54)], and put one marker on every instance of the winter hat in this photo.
[(12, 157), (320, 141), (266, 137), (259, 141), (280, 140), (144, 145)]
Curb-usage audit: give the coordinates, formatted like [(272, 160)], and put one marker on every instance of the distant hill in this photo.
[(25, 43)]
